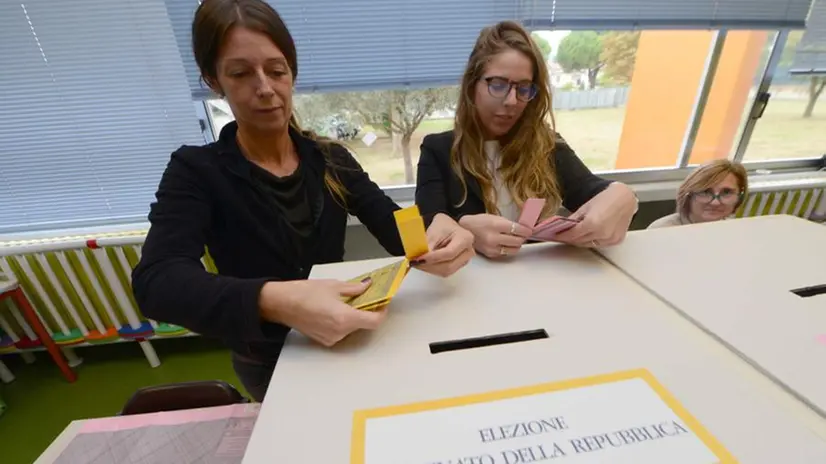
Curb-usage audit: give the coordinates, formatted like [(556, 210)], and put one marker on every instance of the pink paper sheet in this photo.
[(114, 424)]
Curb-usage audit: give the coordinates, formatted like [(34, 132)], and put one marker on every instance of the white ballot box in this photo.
[(756, 284), (548, 352)]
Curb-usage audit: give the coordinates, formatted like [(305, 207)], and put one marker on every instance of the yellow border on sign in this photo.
[(360, 417)]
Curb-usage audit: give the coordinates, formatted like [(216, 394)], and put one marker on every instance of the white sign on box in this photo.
[(626, 417)]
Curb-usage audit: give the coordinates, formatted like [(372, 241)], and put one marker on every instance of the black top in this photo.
[(207, 198), (438, 189), (287, 197)]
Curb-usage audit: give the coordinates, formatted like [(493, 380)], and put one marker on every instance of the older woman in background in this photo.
[(712, 192)]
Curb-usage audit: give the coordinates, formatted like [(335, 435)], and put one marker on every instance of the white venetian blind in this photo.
[(371, 44), (94, 100), (368, 44)]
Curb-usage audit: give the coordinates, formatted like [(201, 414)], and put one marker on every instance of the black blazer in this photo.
[(438, 189), (206, 198)]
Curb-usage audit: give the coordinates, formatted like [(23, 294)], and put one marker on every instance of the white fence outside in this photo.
[(588, 99)]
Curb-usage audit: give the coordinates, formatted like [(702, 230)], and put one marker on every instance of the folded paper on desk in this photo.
[(385, 281), (620, 417), (210, 435)]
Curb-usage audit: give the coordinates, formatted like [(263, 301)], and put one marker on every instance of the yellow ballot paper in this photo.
[(386, 280), (385, 283), (412, 232)]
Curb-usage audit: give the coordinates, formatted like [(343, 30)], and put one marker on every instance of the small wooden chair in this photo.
[(9, 288)]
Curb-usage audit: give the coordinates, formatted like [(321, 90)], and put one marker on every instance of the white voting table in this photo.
[(734, 280), (599, 321)]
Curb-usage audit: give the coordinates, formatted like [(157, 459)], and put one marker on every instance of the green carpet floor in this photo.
[(41, 403)]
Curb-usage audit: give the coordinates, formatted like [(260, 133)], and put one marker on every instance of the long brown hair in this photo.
[(707, 176), (527, 166), (210, 27)]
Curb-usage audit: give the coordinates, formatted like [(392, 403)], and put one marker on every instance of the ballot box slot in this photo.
[(806, 292), (487, 340)]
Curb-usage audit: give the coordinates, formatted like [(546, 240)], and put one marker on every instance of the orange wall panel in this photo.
[(669, 67)]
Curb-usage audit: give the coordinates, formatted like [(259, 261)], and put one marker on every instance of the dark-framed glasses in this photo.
[(725, 196), (499, 87)]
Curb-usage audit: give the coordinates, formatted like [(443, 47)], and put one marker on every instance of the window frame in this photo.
[(756, 106)]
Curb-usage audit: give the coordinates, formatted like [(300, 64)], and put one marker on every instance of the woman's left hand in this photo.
[(451, 247), (604, 219)]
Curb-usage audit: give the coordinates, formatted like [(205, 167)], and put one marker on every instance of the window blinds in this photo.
[(370, 45), (94, 100), (367, 44)]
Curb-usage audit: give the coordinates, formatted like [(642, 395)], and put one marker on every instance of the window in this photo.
[(742, 57), (635, 103), (616, 111), (624, 99), (384, 129), (793, 123)]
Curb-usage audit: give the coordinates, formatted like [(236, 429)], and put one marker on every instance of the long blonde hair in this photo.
[(527, 166)]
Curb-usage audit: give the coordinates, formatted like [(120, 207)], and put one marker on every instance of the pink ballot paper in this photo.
[(216, 435), (531, 211), (546, 230)]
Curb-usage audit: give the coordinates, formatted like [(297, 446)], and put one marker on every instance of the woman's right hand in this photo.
[(495, 236), (314, 308)]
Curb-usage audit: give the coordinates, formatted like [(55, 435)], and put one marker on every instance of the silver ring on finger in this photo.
[(503, 251), (513, 228), (594, 243)]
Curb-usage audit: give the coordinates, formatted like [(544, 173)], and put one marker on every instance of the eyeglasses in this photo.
[(726, 196), (499, 87)]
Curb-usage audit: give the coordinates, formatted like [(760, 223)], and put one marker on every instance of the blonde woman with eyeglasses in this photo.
[(712, 192), (504, 150)]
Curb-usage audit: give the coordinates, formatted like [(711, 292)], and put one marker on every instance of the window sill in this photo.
[(646, 192)]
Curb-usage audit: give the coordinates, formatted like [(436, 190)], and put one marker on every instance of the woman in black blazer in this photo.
[(504, 150), (269, 201)]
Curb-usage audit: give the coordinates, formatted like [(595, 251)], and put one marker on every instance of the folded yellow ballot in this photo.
[(385, 283), (411, 231), (386, 280)]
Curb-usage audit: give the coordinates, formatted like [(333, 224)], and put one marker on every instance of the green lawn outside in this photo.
[(781, 134)]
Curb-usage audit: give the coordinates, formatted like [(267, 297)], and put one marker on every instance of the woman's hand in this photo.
[(495, 236), (604, 219), (314, 308), (451, 247)]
